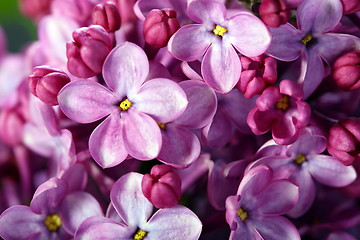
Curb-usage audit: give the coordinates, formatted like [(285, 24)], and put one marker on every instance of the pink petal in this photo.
[(128, 200), (248, 34), (221, 67), (161, 98), (180, 146), (106, 144), (201, 107), (330, 171), (125, 69), (275, 228), (319, 16), (141, 134), (176, 223), (207, 12), (190, 42), (86, 101)]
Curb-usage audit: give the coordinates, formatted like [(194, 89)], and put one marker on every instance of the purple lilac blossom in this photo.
[(133, 106), (130, 217), (218, 39)]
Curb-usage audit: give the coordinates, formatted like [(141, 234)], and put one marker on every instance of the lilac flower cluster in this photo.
[(182, 119)]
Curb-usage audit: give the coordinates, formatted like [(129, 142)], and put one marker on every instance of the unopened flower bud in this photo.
[(87, 53), (257, 74), (344, 140), (162, 187), (350, 6), (46, 82), (35, 9), (106, 15), (274, 12), (346, 71), (159, 26)]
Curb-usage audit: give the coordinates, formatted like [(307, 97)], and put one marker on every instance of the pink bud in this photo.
[(159, 26), (46, 82), (346, 71), (350, 6), (106, 15), (274, 12), (162, 187), (344, 140), (35, 9), (87, 53), (257, 74)]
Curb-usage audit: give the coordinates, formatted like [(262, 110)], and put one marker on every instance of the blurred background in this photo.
[(18, 29)]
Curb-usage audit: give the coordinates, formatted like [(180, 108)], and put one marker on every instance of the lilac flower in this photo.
[(281, 110), (218, 38), (254, 212), (57, 209), (133, 106), (340, 236), (129, 217), (312, 41), (301, 162)]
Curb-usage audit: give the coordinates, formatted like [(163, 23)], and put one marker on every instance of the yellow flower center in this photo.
[(219, 30), (300, 159), (306, 39), (162, 125), (242, 214), (125, 104), (52, 222), (283, 103), (140, 235)]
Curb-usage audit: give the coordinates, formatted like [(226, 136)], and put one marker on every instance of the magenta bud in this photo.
[(344, 140), (257, 74), (162, 187), (106, 15), (350, 6), (159, 26), (274, 12), (46, 82), (87, 53), (346, 71)]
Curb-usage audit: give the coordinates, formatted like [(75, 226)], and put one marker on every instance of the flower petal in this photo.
[(106, 144), (95, 228), (208, 12), (86, 101), (221, 67), (248, 34), (286, 43), (201, 107), (274, 228), (176, 223), (190, 42), (161, 98), (128, 200), (125, 69), (319, 16), (330, 171), (180, 146)]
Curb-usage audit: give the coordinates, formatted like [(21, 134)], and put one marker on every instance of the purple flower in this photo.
[(312, 41), (219, 38), (254, 212), (281, 110), (302, 162), (130, 217), (57, 209), (133, 106)]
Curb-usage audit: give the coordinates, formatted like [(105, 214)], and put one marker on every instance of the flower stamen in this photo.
[(125, 104), (53, 222), (283, 103), (242, 214), (162, 125), (300, 159), (219, 30), (306, 39), (140, 235)]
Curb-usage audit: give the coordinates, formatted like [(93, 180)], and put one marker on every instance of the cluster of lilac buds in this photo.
[(182, 120)]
